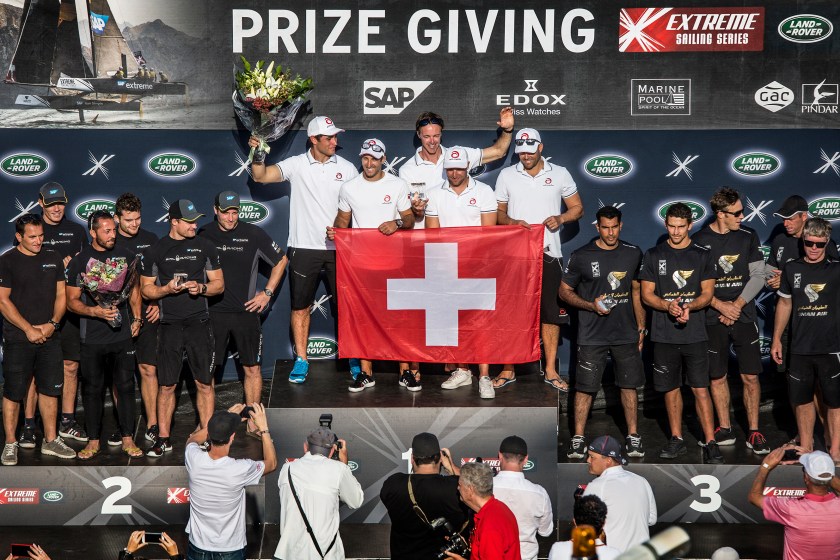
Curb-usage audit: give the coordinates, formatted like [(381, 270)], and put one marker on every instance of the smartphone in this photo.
[(151, 538), (246, 412), (790, 455), (21, 550), (180, 278)]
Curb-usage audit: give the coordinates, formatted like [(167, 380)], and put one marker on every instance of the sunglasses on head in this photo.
[(426, 122), (817, 244), (374, 147), (529, 141), (737, 213)]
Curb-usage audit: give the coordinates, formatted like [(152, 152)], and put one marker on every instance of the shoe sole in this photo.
[(156, 455), (27, 445), (759, 452), (68, 435), (362, 388), (575, 455), (9, 463), (462, 384), (682, 451), (726, 442), (635, 453), (59, 455), (493, 396), (114, 443), (297, 380)]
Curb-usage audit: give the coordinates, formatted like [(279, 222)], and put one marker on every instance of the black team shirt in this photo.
[(785, 248), (240, 251), (137, 244), (66, 238), (593, 271), (814, 289), (193, 257), (32, 280), (677, 273)]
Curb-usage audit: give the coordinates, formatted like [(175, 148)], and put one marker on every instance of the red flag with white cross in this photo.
[(449, 295)]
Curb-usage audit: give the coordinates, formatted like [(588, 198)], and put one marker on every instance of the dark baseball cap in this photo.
[(792, 205), (222, 425), (608, 447), (53, 193), (425, 445), (226, 200), (515, 445), (184, 209), (322, 438)]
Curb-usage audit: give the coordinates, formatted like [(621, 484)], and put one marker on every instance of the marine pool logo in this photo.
[(756, 164), (24, 165), (608, 166), (827, 208), (171, 165), (253, 212), (321, 348), (88, 207), (698, 211), (805, 28)]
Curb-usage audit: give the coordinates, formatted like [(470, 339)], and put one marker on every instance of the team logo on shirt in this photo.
[(813, 291), (797, 280), (387, 199), (615, 277), (472, 202), (727, 262), (88, 207), (680, 277), (338, 176), (596, 269), (24, 165), (827, 208), (663, 268), (548, 180)]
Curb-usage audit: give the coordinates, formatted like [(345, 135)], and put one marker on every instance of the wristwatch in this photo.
[(399, 223), (203, 289), (56, 325), (643, 332), (268, 292)]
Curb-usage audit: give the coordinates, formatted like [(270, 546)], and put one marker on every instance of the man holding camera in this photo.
[(310, 489), (416, 501)]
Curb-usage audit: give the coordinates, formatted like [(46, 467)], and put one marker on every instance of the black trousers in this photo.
[(97, 360)]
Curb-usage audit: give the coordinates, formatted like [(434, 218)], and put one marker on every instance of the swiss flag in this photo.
[(467, 294)]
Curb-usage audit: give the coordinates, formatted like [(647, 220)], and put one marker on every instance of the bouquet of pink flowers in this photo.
[(110, 282)]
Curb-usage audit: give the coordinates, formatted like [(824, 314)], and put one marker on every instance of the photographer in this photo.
[(310, 489), (137, 540), (35, 553), (415, 500)]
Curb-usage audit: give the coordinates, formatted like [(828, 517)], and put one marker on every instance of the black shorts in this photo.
[(305, 266), (246, 331), (805, 371), (592, 360), (551, 311), (193, 338), (23, 360), (785, 339), (145, 345), (670, 360), (744, 337), (71, 338)]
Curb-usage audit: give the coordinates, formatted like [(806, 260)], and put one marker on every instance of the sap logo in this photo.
[(774, 96), (98, 22), (391, 97)]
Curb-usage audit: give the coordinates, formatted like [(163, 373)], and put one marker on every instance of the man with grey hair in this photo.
[(496, 534), (809, 292)]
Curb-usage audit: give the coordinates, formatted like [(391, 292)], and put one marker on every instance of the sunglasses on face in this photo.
[(374, 147), (737, 213), (528, 141), (817, 244), (427, 122)]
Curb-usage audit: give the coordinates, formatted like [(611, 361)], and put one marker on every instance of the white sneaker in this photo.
[(459, 378), (10, 454), (485, 388)]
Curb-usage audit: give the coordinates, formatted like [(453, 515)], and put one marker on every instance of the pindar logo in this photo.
[(24, 165), (756, 164), (805, 28), (253, 212), (171, 165), (88, 207)]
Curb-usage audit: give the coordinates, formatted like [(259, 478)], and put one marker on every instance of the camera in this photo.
[(456, 543), (325, 421)]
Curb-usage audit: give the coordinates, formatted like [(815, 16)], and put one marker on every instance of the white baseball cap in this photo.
[(322, 125), (818, 465), (373, 147), (456, 158), (520, 141)]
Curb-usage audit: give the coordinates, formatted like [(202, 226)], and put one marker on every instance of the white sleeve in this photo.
[(473, 157), (287, 167), (349, 489), (547, 520), (253, 472), (343, 199), (502, 194), (403, 202), (432, 205), (488, 200), (653, 514), (569, 186)]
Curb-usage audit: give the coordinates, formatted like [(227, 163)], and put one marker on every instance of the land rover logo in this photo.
[(756, 164), (827, 208), (529, 464), (698, 211), (805, 28), (765, 251), (354, 466), (171, 165), (608, 166), (53, 496), (88, 207), (321, 348), (252, 212), (24, 165)]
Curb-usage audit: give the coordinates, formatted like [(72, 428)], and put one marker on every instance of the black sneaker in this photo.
[(362, 382), (72, 430), (160, 447), (633, 444), (673, 449), (711, 454), (115, 439), (152, 433), (27, 438), (410, 382), (577, 448), (724, 436), (758, 443)]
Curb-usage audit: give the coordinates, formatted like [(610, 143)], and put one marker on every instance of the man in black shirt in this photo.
[(236, 312), (731, 317), (132, 237), (32, 304), (181, 271), (412, 537), (810, 294), (611, 320), (105, 348), (678, 282)]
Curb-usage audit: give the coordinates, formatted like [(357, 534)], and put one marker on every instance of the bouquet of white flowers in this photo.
[(110, 282)]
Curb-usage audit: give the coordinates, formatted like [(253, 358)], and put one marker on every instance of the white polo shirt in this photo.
[(313, 202), (534, 199), (530, 505), (374, 202), (631, 507), (465, 209)]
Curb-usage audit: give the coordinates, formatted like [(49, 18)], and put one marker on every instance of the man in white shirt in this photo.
[(310, 489), (315, 177), (376, 200), (631, 508), (217, 483), (592, 511), (533, 192), (462, 202), (529, 502)]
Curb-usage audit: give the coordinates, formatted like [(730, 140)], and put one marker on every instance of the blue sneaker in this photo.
[(355, 367), (299, 372)]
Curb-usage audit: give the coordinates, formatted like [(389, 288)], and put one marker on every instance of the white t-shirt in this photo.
[(465, 209), (313, 202), (534, 199), (630, 506), (563, 551), (374, 202), (530, 505), (217, 498)]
